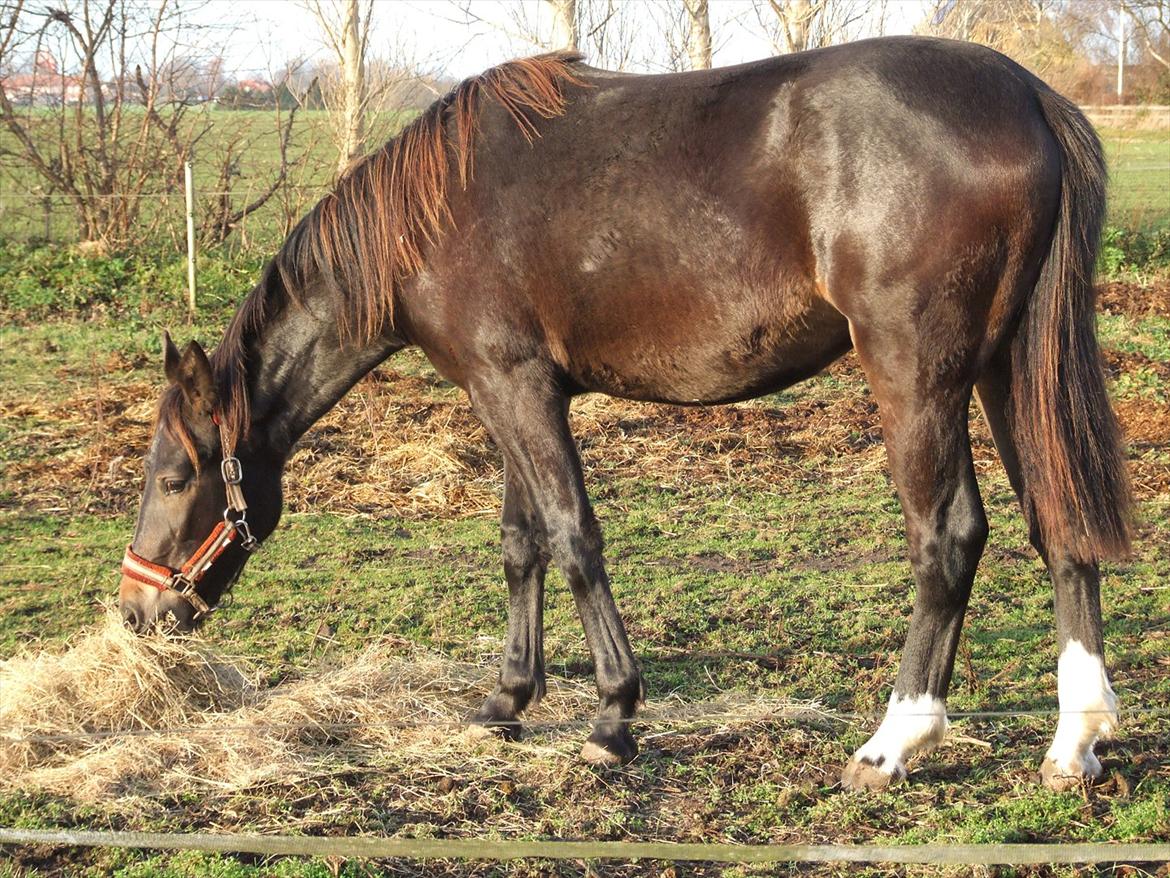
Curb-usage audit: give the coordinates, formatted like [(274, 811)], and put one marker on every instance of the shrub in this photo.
[(45, 282), (1134, 251)]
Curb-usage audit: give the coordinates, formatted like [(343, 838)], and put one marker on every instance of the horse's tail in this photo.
[(1075, 476)]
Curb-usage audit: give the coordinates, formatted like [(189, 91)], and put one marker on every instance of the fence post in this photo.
[(189, 185)]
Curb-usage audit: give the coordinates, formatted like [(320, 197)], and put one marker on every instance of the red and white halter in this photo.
[(233, 528)]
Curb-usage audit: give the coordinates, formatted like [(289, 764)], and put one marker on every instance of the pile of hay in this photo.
[(115, 714), (118, 716)]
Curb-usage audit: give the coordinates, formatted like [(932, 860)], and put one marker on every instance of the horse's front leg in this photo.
[(528, 417), (521, 682)]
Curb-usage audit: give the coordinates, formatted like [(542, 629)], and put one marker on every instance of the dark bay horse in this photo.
[(548, 229)]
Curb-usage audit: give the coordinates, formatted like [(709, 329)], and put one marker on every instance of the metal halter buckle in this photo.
[(185, 588), (231, 470)]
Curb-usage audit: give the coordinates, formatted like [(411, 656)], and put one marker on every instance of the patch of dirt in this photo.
[(409, 445), (1134, 300)]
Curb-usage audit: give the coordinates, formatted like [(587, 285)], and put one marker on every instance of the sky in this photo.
[(259, 35)]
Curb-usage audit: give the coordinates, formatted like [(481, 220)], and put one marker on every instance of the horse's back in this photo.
[(699, 237)]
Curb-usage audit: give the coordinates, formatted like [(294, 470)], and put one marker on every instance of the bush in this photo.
[(1134, 251), (44, 282)]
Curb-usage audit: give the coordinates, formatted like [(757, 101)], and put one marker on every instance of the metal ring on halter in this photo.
[(247, 542)]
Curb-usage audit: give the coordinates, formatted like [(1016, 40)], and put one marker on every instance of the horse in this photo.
[(548, 229)]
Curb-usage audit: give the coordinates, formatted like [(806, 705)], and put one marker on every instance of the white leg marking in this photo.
[(1088, 711), (911, 725)]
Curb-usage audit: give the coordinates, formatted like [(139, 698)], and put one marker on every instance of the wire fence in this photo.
[(52, 218), (32, 217), (1138, 190)]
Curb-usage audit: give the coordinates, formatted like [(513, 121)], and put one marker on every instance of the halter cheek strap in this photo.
[(234, 527)]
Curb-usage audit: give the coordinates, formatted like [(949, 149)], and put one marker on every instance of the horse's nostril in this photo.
[(130, 617)]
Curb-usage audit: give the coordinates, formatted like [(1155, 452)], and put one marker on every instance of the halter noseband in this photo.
[(234, 527)]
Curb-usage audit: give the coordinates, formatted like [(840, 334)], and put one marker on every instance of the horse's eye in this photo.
[(174, 486)]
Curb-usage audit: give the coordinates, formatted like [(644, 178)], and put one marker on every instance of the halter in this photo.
[(234, 527)]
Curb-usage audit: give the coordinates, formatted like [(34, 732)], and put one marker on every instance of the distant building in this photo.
[(45, 86)]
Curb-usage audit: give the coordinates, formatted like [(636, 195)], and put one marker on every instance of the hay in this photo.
[(406, 444), (116, 716)]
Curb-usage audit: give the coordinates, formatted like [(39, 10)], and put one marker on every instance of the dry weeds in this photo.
[(404, 443)]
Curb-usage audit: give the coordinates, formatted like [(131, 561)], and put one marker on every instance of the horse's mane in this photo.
[(369, 234)]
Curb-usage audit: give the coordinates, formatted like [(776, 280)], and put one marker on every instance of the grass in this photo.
[(755, 549), (1139, 177), (1138, 159), (730, 533)]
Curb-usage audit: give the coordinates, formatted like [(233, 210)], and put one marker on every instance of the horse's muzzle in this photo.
[(142, 606)]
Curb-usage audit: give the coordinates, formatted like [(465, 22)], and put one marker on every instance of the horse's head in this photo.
[(205, 506)]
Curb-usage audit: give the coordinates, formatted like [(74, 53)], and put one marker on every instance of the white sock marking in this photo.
[(1088, 711), (911, 725)]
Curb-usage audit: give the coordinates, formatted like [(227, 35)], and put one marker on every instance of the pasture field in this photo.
[(756, 550), (1139, 161)]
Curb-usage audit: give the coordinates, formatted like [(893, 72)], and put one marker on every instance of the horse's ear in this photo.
[(170, 358), (192, 372)]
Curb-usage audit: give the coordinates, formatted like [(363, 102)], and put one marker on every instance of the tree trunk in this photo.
[(565, 32), (796, 21), (353, 85), (699, 36)]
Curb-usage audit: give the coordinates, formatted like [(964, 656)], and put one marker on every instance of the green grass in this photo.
[(1139, 177), (811, 570), (1139, 165)]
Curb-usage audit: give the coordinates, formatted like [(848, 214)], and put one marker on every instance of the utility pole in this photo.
[(189, 188), (1120, 50)]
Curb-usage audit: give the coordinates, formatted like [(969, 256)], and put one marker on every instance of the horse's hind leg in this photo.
[(528, 418), (1088, 707), (521, 681), (925, 429)]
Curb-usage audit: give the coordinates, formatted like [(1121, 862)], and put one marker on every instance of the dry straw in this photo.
[(218, 729)]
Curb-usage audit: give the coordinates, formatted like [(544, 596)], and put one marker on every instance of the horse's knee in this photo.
[(576, 547), (945, 554), (521, 549)]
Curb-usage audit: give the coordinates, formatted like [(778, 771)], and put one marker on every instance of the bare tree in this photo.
[(797, 25), (699, 34), (1151, 20), (345, 28), (87, 144), (1027, 30), (566, 32), (605, 31)]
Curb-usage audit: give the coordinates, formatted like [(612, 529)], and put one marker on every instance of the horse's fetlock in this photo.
[(521, 688), (624, 693)]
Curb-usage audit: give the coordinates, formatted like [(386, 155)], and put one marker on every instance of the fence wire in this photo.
[(660, 720)]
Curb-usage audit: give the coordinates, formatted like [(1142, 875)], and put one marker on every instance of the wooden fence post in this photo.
[(189, 185)]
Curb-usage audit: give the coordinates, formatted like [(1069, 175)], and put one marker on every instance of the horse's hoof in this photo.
[(1061, 780), (860, 774), (595, 754), (609, 750), (480, 728)]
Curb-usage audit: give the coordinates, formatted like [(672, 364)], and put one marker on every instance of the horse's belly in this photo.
[(645, 356)]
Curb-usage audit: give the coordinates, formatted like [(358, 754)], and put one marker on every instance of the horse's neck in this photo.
[(298, 369)]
